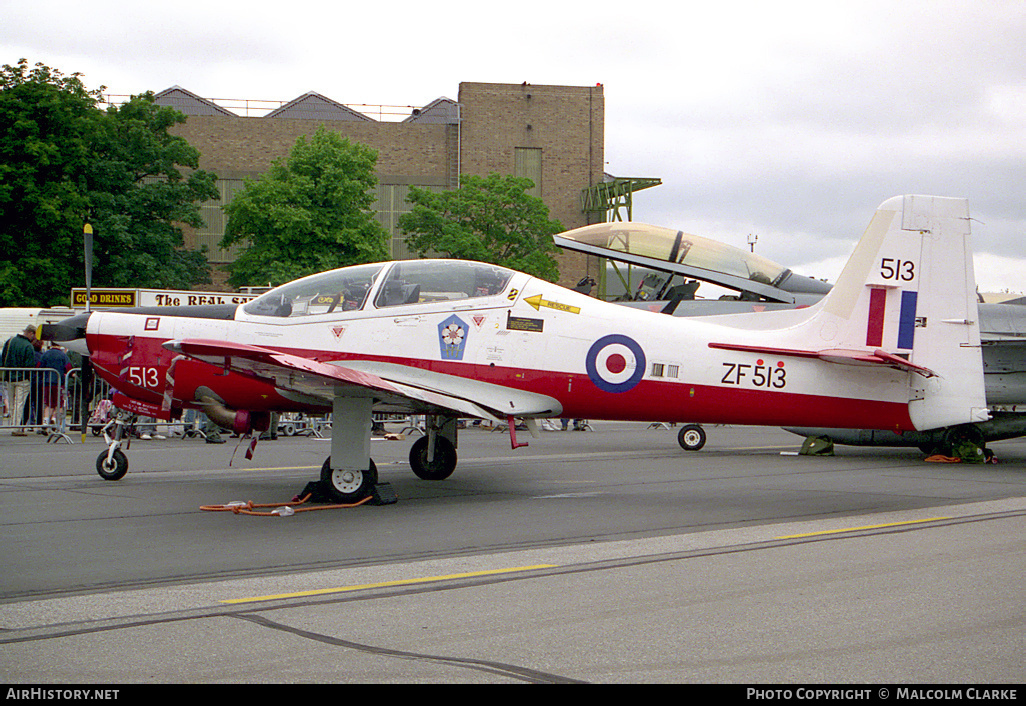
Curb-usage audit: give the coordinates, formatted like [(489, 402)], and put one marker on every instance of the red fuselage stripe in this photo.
[(649, 400)]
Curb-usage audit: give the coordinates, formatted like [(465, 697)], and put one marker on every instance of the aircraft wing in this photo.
[(390, 384), (836, 355)]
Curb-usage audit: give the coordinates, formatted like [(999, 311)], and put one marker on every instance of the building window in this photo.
[(215, 221), (390, 203), (528, 163)]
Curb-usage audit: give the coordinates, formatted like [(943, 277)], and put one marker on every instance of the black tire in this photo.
[(443, 464), (116, 469), (964, 432), (348, 486), (691, 437)]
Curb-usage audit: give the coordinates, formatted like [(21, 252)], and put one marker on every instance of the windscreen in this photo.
[(338, 290), (420, 281)]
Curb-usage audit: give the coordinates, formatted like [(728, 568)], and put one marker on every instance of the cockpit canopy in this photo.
[(681, 254), (678, 247), (382, 285)]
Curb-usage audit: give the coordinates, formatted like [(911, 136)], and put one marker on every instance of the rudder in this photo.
[(946, 317), (909, 291)]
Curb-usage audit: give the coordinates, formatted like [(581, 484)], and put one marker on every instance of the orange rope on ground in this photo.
[(248, 507)]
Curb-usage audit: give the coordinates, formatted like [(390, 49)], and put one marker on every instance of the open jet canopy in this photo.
[(680, 253)]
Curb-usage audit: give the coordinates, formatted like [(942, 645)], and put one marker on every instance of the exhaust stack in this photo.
[(240, 421)]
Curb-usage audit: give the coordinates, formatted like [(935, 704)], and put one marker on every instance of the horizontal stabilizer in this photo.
[(835, 355)]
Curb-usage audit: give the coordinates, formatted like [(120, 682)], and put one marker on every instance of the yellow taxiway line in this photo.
[(386, 584), (514, 569), (864, 527)]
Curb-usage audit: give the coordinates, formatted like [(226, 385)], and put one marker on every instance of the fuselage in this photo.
[(599, 360)]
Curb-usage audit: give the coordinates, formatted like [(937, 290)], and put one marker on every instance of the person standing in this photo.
[(19, 353), (34, 411), (55, 363)]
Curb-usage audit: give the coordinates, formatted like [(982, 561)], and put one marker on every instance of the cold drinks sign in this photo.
[(118, 298)]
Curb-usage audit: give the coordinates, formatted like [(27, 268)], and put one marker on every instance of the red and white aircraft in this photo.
[(895, 345)]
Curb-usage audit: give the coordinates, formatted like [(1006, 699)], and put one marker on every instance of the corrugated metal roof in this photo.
[(314, 106), (189, 103), (441, 110)]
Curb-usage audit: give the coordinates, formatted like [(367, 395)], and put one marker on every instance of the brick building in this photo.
[(553, 135)]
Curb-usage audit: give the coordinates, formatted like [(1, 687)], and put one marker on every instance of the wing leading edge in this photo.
[(389, 383)]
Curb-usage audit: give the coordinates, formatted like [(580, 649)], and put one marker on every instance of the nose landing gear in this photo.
[(112, 464)]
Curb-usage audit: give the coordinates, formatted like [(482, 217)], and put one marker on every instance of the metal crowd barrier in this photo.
[(97, 410), (34, 387)]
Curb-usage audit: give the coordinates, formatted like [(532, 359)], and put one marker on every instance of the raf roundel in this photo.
[(615, 363)]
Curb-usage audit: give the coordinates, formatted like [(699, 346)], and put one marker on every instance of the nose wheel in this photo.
[(112, 466)]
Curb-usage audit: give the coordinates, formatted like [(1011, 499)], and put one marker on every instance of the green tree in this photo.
[(489, 219), (309, 212), (65, 162), (47, 121), (139, 197)]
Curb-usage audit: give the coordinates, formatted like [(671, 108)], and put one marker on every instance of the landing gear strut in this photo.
[(349, 475)]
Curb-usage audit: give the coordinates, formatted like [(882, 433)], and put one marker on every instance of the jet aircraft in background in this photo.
[(893, 346)]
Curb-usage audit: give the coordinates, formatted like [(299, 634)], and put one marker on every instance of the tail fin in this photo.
[(908, 293), (906, 300)]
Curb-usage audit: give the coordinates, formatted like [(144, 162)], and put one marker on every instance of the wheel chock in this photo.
[(384, 494)]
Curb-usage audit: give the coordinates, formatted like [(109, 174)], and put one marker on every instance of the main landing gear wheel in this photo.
[(962, 433), (348, 486), (691, 437), (443, 464), (115, 469)]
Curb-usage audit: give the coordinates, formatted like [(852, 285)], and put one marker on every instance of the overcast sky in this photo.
[(789, 120)]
